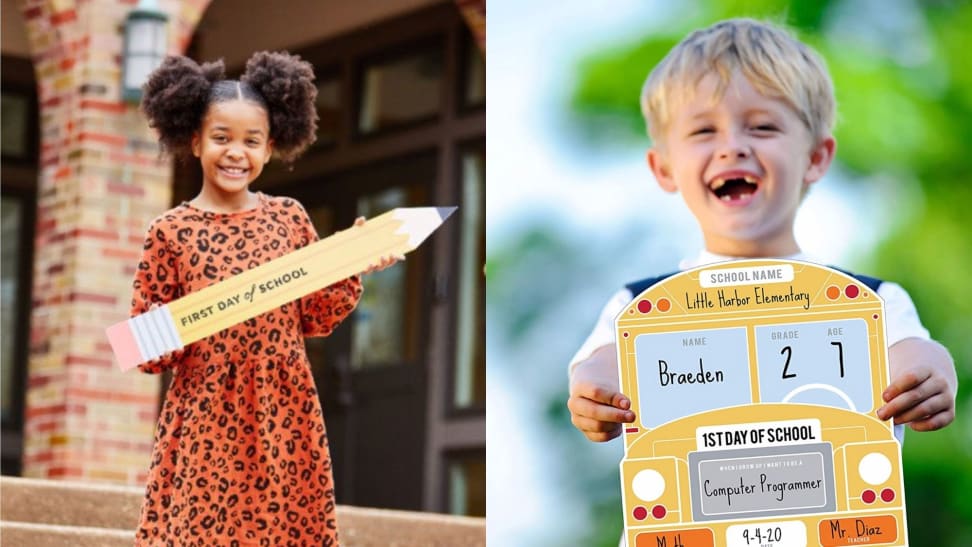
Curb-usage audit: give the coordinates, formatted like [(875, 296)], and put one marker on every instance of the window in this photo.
[(16, 133), (13, 116), (16, 257), (401, 90), (18, 146), (385, 319), (473, 73), (328, 111), (469, 389), (466, 482), (11, 219)]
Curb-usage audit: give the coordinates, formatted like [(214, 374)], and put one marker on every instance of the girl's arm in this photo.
[(156, 284), (322, 311)]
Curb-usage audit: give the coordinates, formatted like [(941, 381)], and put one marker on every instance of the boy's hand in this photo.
[(596, 406), (923, 385)]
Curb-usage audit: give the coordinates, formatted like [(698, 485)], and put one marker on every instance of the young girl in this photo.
[(241, 454)]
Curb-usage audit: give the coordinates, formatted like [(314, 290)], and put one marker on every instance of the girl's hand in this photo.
[(385, 262)]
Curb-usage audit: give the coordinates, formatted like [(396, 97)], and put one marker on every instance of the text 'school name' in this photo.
[(725, 299), (227, 303), (745, 276)]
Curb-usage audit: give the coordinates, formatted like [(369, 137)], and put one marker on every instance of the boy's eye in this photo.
[(702, 131), (765, 127)]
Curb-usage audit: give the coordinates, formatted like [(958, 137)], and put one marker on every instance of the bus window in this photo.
[(691, 371), (820, 363)]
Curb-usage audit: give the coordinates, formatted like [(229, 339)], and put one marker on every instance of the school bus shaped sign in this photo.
[(755, 385)]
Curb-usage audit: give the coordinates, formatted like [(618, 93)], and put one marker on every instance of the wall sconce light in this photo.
[(145, 47)]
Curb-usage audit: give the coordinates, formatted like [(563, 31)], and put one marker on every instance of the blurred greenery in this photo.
[(904, 92), (905, 116)]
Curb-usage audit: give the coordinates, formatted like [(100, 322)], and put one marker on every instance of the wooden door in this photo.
[(371, 373)]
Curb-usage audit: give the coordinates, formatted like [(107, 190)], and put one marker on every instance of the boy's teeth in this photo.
[(726, 197), (720, 182)]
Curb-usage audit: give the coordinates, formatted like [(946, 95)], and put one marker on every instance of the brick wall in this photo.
[(101, 182)]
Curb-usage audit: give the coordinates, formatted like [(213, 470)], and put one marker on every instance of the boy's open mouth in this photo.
[(733, 188)]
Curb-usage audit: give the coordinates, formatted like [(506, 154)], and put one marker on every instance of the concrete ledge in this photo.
[(47, 535), (365, 527), (67, 503), (48, 513)]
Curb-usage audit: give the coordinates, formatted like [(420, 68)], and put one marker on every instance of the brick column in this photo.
[(474, 12), (101, 182)]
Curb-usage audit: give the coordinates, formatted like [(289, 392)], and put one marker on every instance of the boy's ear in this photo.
[(820, 158), (658, 163)]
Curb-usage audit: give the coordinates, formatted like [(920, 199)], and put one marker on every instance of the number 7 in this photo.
[(840, 356)]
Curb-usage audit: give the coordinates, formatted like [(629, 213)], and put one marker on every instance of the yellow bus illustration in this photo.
[(755, 385)]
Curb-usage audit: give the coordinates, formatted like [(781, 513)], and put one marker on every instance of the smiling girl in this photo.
[(241, 454)]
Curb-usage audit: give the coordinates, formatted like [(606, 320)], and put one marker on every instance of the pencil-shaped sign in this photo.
[(270, 285)]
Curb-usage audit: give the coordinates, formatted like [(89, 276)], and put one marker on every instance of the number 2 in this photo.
[(789, 352)]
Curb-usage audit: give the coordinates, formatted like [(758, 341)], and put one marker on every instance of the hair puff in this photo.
[(287, 85), (175, 98)]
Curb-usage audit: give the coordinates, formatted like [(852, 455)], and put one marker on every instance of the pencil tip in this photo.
[(444, 212)]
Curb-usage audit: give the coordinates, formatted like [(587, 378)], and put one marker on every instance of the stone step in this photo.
[(42, 513), (366, 527), (67, 503), (48, 535)]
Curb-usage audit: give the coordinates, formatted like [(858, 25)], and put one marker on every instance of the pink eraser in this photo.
[(123, 343)]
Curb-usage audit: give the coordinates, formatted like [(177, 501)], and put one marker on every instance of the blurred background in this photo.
[(574, 213)]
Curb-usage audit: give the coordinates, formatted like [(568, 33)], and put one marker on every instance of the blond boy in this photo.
[(741, 117)]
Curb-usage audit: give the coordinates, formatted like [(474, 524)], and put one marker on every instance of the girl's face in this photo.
[(232, 145)]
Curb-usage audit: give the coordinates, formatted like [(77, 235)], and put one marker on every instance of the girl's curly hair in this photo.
[(178, 93)]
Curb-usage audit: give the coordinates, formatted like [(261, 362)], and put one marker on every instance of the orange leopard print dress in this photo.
[(241, 454)]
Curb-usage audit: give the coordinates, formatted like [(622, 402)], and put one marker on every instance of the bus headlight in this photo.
[(875, 468), (648, 485)]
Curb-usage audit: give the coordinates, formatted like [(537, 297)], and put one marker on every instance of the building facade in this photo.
[(402, 123)]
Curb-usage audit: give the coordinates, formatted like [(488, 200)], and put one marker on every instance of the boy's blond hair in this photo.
[(774, 62)]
